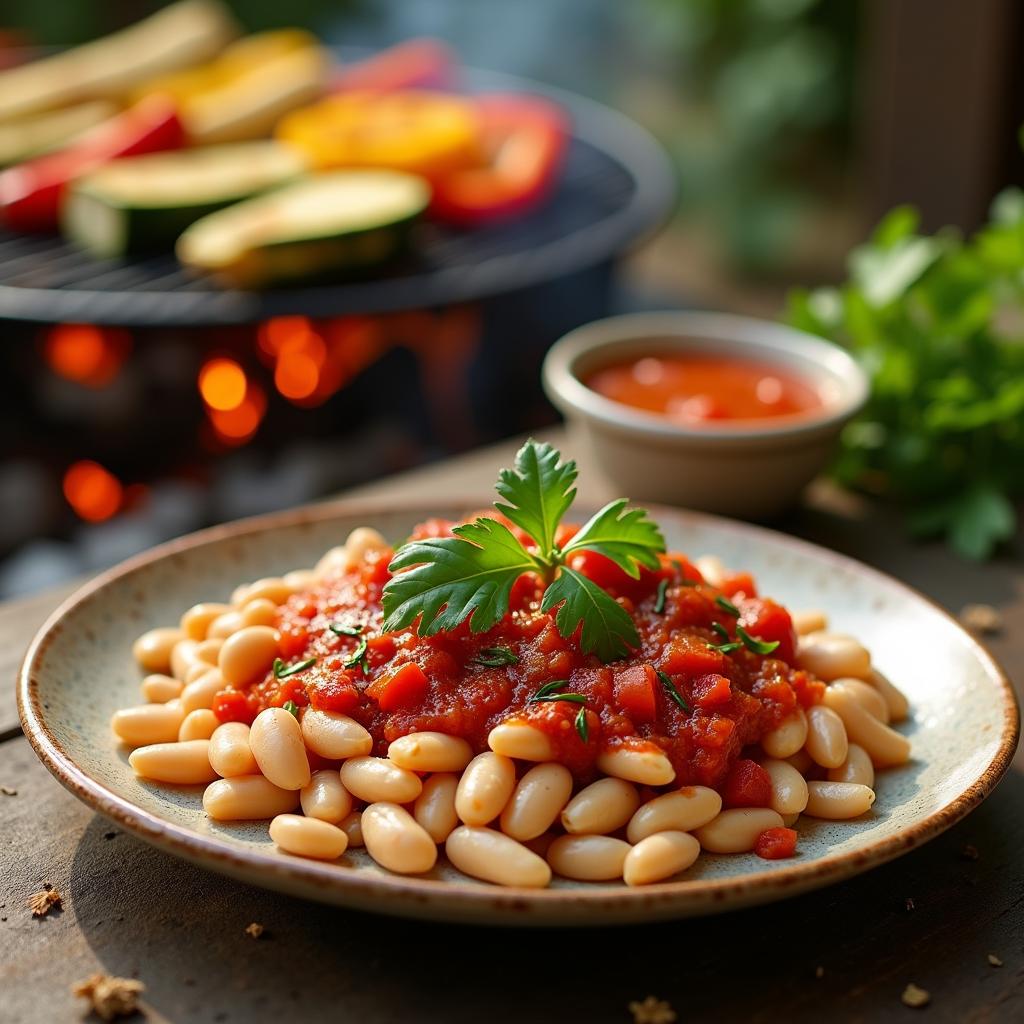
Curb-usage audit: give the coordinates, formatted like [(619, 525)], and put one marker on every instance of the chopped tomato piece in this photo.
[(291, 690), (776, 843), (635, 692), (766, 620), (337, 693), (738, 583), (233, 706), (711, 690), (402, 689), (293, 642), (747, 785)]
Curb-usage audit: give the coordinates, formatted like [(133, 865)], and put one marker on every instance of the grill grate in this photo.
[(616, 186)]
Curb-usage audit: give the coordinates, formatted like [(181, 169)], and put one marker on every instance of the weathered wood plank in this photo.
[(131, 910)]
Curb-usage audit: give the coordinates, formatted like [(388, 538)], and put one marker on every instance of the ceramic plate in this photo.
[(79, 670)]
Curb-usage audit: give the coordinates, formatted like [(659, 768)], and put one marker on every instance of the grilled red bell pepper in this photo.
[(416, 64), (525, 137), (31, 192)]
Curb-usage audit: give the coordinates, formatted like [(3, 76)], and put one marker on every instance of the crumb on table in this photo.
[(981, 618), (42, 902), (110, 997), (915, 997), (255, 929), (652, 1011)]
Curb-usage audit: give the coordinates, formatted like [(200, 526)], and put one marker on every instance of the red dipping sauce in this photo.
[(693, 388)]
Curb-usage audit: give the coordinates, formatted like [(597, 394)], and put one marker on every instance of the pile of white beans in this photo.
[(510, 815)]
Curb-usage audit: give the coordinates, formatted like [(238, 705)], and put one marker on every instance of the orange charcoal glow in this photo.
[(299, 361), (222, 383), (93, 492), (236, 426), (88, 355)]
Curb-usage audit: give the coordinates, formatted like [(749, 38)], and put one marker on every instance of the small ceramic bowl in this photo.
[(748, 468)]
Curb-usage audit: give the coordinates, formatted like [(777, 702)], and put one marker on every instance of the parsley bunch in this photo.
[(938, 323), (470, 576)]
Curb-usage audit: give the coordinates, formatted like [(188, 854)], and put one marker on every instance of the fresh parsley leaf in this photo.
[(626, 536), (450, 579), (608, 631), (538, 491), (496, 657)]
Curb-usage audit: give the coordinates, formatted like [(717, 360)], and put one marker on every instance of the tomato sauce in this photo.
[(398, 683), (695, 389)]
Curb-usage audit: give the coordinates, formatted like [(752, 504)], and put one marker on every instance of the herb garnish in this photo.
[(340, 630), (496, 657), (727, 646), (291, 707), (552, 692), (357, 655), (581, 724), (727, 606), (470, 575), (670, 688), (659, 604), (754, 644), (283, 671)]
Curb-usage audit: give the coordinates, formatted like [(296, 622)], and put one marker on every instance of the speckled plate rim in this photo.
[(476, 902)]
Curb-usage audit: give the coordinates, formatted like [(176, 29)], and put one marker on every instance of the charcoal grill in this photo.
[(615, 187)]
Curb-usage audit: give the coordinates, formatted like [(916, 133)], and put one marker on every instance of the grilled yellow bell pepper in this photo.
[(426, 133)]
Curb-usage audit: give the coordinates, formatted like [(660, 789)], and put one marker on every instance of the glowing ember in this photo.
[(236, 426), (94, 493), (222, 384), (88, 355)]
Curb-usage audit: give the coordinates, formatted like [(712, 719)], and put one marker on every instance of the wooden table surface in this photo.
[(845, 953)]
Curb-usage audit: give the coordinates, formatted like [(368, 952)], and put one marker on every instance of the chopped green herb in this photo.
[(291, 707), (283, 671), (659, 604), (581, 725), (727, 606), (549, 688), (729, 648), (754, 644), (357, 655), (341, 630), (552, 692), (721, 631), (674, 695), (471, 574), (496, 657)]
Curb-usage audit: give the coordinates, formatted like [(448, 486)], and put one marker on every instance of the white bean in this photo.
[(183, 656), (159, 689), (209, 650), (602, 807), (377, 780), (659, 856), (833, 655), (648, 766), (259, 612), (885, 746), (867, 695), (838, 801), (395, 840), (801, 761), (712, 568), (325, 797), (333, 560), (225, 625), (363, 541), (588, 858), (899, 706), (537, 801), (276, 742), (196, 621), (682, 811), (435, 806), (308, 837), (270, 588), (200, 692), (789, 787), (352, 826), (198, 725), (521, 741), (812, 620), (856, 768), (485, 787), (430, 752), (334, 736), (826, 737), (246, 797), (195, 671), (736, 830), (229, 751), (153, 649), (186, 764), (494, 857), (148, 723), (787, 737), (248, 654), (299, 579)]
